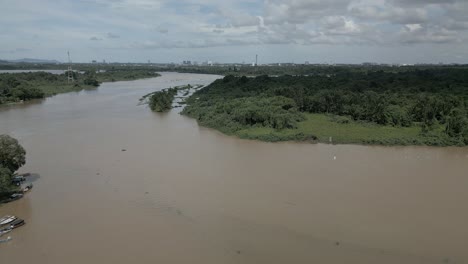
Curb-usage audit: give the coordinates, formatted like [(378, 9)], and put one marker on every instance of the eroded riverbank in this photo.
[(185, 194)]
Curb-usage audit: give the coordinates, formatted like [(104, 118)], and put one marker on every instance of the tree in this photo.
[(161, 101), (5, 180), (457, 123), (91, 79), (12, 154)]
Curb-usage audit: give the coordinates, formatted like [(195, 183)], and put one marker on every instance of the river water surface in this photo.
[(181, 193)]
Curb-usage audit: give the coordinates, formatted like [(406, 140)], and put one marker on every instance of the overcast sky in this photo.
[(319, 31)]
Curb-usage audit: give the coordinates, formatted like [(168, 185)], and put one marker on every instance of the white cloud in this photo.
[(143, 25)]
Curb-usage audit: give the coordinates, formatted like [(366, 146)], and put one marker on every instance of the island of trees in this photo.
[(162, 101), (410, 107)]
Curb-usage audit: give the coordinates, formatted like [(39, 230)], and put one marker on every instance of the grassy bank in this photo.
[(411, 108), (17, 87), (320, 127)]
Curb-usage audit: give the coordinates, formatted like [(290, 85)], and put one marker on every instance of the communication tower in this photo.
[(70, 71)]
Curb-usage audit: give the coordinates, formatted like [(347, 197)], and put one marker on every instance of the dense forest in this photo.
[(15, 87), (435, 100)]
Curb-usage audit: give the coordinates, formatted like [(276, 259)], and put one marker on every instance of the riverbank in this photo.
[(381, 109), (321, 128), (25, 86), (329, 129)]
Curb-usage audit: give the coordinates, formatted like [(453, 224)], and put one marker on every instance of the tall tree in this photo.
[(12, 154), (5, 179)]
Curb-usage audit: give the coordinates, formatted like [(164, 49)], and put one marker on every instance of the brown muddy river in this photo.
[(185, 194)]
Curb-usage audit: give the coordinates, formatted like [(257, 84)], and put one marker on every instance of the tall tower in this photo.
[(69, 72), (256, 60)]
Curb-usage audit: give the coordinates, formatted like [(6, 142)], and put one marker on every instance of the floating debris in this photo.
[(124, 150)]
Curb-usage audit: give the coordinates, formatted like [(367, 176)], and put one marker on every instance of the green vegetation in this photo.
[(162, 101), (297, 69), (15, 87), (6, 187), (376, 107), (322, 127), (12, 154), (12, 157), (124, 74)]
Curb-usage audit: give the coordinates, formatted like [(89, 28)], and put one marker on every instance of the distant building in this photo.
[(94, 61)]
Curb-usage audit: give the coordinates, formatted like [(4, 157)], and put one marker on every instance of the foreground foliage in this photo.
[(12, 154), (12, 157), (420, 106)]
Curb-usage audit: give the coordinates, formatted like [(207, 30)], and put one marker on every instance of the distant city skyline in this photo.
[(162, 31)]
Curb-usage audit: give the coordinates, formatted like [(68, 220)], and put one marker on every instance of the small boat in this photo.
[(17, 223), (5, 240), (5, 231), (14, 197), (27, 188), (7, 219), (17, 180)]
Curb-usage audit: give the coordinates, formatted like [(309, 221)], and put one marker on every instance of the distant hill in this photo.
[(29, 60)]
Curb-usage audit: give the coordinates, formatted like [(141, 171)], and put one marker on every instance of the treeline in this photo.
[(161, 101), (16, 87), (434, 99), (124, 74), (20, 86), (296, 69)]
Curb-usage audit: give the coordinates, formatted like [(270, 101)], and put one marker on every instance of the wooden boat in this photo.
[(7, 219)]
